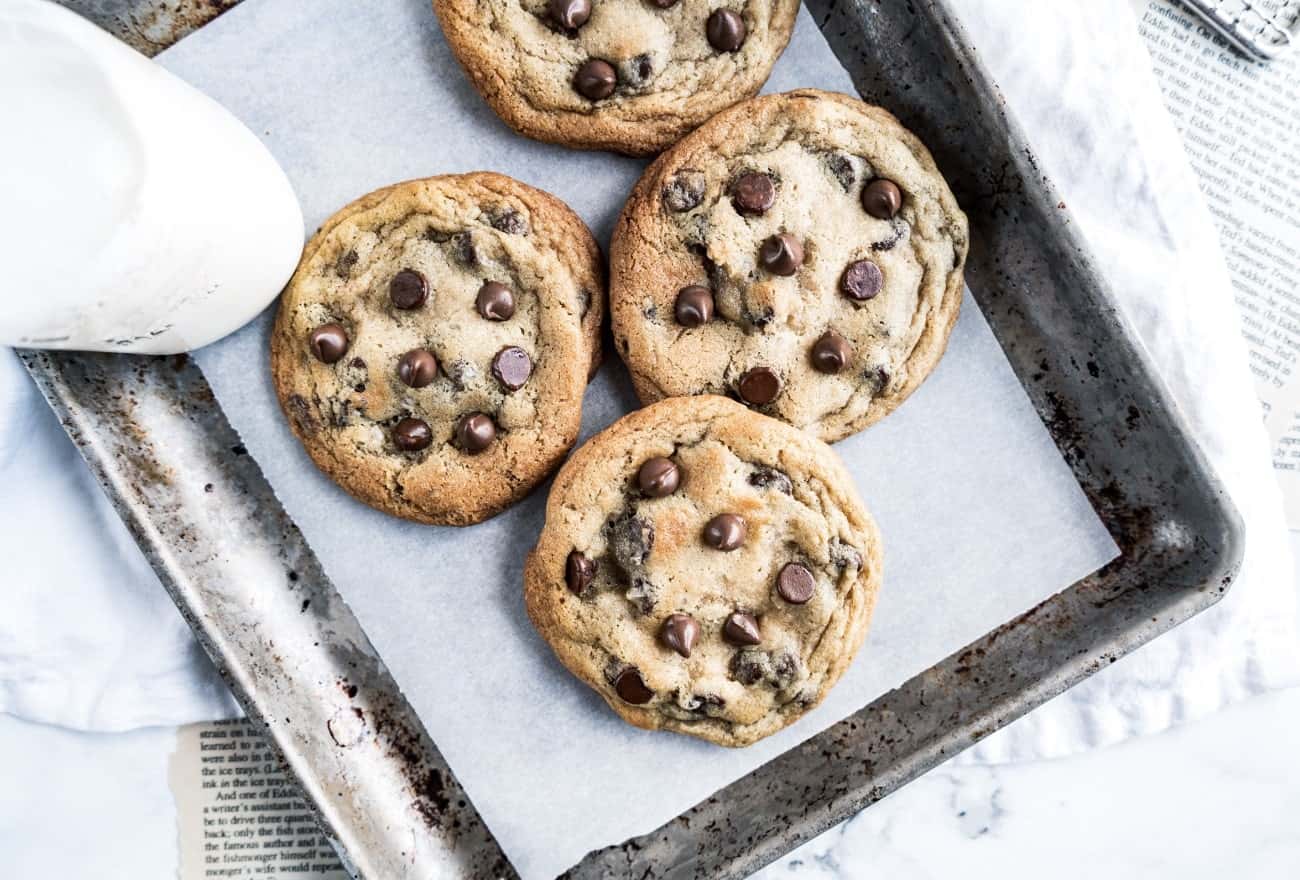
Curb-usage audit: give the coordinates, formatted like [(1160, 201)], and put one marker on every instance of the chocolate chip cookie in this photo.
[(799, 252), (706, 569), (432, 350), (625, 75)]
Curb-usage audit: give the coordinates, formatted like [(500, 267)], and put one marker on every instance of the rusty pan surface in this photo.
[(222, 544)]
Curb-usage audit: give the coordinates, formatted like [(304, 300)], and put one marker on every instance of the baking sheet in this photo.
[(981, 517)]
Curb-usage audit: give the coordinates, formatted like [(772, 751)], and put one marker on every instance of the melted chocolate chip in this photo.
[(475, 432), (882, 198), (841, 168), (753, 193), (705, 704), (726, 531), (680, 632), (329, 342), (412, 435), (741, 628), (785, 669), (844, 556), (631, 540), (750, 667), (495, 301), (896, 233), (417, 368), (861, 281), (343, 265), (768, 478), (300, 413), (726, 30), (631, 688), (684, 191), (831, 353), (512, 366), (595, 79), (579, 572), (658, 477), (795, 584), (636, 72), (781, 254), (462, 248), (642, 594), (408, 289), (569, 14), (759, 386), (694, 306), (509, 221)]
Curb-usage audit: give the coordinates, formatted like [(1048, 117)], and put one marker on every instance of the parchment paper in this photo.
[(981, 517)]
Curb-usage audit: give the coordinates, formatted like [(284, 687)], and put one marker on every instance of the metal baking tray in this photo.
[(1262, 29), (297, 659)]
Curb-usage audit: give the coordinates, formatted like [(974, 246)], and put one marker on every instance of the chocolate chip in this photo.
[(768, 478), (595, 79), (663, 4), (726, 30), (861, 281), (726, 531), (684, 191), (408, 289), (680, 632), (781, 254), (412, 435), (795, 583), (417, 368), (631, 687), (881, 377), (831, 353), (358, 363), (694, 306), (753, 193), (841, 168), (579, 572), (759, 386), (495, 301), (509, 221), (631, 539), (569, 14), (329, 342), (882, 198), (658, 477), (741, 628), (475, 432), (512, 366)]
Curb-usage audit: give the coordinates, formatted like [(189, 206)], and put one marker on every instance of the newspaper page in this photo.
[(238, 813), (1240, 121)]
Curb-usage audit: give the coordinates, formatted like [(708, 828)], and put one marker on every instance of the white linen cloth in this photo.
[(89, 639)]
